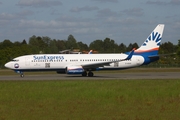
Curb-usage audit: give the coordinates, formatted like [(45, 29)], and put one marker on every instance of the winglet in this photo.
[(90, 52), (130, 54)]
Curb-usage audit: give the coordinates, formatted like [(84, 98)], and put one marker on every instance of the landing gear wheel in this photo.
[(22, 75), (90, 74), (84, 74)]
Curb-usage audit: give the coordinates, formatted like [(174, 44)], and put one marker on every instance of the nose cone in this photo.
[(8, 65)]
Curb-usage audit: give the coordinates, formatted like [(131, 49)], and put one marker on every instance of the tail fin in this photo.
[(152, 43)]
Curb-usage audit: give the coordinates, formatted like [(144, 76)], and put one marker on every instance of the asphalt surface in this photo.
[(97, 76)]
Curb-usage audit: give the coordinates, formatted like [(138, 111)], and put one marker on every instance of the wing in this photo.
[(107, 63)]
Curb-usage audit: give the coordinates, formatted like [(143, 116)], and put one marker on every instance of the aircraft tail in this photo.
[(151, 45)]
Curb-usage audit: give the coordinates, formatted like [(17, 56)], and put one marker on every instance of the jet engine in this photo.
[(74, 70)]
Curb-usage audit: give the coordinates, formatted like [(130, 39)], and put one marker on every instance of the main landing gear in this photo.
[(90, 74)]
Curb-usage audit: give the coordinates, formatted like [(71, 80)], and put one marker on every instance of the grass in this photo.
[(90, 100)]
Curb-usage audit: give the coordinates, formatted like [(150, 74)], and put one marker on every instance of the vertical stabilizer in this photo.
[(152, 43)]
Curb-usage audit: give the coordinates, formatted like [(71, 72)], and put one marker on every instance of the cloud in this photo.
[(176, 25), (5, 16), (134, 12), (174, 2), (102, 1), (157, 2), (86, 8), (26, 13), (130, 21), (8, 22), (39, 3), (106, 12), (58, 25)]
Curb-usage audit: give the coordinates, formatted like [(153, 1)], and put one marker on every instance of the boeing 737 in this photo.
[(84, 64)]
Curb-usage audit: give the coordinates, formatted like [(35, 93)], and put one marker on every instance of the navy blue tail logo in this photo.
[(156, 37)]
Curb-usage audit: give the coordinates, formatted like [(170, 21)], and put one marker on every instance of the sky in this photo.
[(123, 21)]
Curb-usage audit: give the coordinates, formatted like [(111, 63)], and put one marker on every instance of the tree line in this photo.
[(36, 44)]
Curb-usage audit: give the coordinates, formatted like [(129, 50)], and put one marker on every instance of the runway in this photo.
[(97, 76)]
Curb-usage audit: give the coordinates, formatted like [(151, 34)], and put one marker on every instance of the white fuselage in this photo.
[(62, 61)]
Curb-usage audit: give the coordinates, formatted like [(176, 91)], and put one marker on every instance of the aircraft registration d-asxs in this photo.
[(84, 64)]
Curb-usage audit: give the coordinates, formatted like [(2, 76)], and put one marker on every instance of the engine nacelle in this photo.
[(74, 70)]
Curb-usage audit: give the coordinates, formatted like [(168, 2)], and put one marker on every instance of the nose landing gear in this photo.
[(21, 75)]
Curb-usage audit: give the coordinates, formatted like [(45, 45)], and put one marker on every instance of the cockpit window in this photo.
[(15, 60)]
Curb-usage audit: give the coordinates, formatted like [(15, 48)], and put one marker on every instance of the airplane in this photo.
[(84, 64)]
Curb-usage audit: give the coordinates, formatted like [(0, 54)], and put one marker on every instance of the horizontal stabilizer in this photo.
[(153, 56), (160, 55)]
